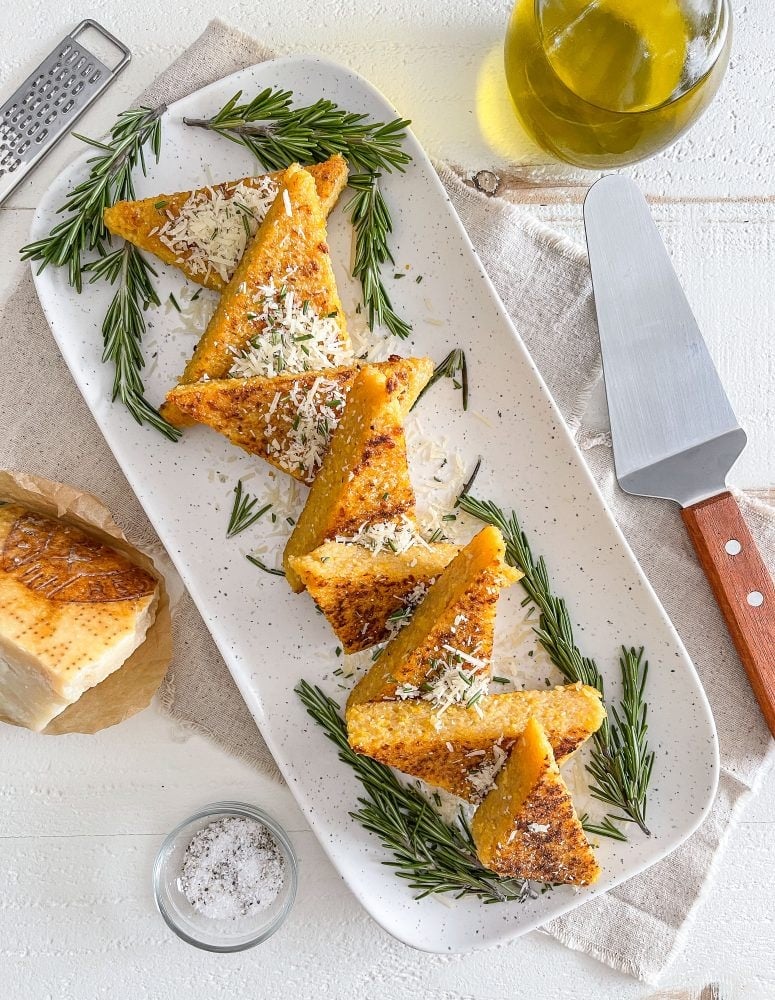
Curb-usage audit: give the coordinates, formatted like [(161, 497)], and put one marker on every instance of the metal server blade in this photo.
[(50, 101)]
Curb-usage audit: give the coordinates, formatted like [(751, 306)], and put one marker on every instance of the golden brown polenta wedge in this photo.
[(458, 749), (526, 827), (289, 255), (364, 476), (367, 596), (202, 232), (288, 420), (458, 611)]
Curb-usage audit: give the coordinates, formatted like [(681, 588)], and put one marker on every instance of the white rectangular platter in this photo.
[(271, 638)]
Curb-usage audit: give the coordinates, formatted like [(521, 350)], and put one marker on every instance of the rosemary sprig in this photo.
[(432, 855), (278, 134), (123, 329), (621, 762), (109, 180), (371, 221), (243, 511), (83, 231), (454, 363)]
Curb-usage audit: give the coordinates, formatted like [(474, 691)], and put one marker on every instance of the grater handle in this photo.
[(89, 22)]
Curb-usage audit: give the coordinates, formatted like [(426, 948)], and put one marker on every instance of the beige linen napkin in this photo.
[(544, 282)]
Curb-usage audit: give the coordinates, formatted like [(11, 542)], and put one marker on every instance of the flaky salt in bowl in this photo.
[(225, 879)]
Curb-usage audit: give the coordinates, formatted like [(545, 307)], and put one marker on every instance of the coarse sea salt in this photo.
[(231, 868)]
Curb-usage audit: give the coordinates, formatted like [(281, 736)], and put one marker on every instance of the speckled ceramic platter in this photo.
[(271, 638)]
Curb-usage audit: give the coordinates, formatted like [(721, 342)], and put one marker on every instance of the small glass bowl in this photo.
[(206, 932)]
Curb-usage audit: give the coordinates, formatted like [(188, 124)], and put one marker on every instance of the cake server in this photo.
[(674, 433)]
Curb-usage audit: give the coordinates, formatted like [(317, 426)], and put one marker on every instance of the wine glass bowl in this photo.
[(603, 83)]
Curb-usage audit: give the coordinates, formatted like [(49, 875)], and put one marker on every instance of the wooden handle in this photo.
[(743, 588)]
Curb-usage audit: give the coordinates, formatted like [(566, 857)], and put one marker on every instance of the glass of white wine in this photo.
[(602, 83)]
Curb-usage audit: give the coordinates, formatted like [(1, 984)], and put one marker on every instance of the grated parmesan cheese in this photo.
[(450, 683), (483, 778), (402, 615), (317, 413), (395, 536), (290, 337), (213, 226)]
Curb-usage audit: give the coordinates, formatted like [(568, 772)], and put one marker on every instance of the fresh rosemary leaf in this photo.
[(123, 328), (262, 565), (454, 362), (278, 134), (605, 828), (432, 855), (243, 511), (109, 180), (621, 762)]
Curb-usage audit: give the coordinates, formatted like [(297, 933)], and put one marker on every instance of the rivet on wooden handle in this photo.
[(743, 588)]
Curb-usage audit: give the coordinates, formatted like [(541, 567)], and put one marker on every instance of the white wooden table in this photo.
[(81, 817)]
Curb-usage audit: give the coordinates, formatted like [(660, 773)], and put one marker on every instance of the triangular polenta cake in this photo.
[(364, 476), (460, 750), (281, 310), (204, 232), (526, 827), (453, 628), (368, 596), (289, 419)]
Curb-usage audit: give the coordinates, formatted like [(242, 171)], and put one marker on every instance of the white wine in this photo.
[(602, 83)]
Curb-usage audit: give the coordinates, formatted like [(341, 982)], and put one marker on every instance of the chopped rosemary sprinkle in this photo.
[(262, 565), (454, 362), (243, 511)]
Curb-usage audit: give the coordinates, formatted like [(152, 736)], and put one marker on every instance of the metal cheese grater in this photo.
[(50, 101)]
